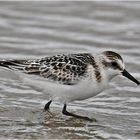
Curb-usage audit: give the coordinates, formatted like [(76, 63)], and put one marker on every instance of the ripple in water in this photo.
[(38, 29)]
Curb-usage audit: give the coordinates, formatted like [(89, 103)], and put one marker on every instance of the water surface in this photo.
[(38, 29)]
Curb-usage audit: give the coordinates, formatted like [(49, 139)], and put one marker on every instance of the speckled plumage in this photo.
[(67, 69)]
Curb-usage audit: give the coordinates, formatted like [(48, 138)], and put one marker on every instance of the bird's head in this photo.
[(113, 64)]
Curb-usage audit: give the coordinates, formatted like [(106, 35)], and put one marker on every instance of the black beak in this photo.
[(129, 76)]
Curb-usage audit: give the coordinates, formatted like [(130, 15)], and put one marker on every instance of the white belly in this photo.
[(84, 89)]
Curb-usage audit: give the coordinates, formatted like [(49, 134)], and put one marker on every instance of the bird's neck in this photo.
[(107, 73)]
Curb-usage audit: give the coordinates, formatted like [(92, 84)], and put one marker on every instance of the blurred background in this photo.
[(38, 29)]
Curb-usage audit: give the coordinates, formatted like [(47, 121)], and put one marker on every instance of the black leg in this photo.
[(65, 112), (47, 106)]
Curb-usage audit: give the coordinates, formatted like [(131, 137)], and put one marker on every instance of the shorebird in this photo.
[(70, 77)]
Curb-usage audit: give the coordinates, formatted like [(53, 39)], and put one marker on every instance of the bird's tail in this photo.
[(14, 64)]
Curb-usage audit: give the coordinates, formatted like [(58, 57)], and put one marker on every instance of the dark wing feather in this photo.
[(15, 64), (63, 68), (67, 69)]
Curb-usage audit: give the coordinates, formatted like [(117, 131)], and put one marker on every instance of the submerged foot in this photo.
[(65, 112), (87, 118)]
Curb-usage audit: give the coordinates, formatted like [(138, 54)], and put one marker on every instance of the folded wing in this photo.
[(65, 69)]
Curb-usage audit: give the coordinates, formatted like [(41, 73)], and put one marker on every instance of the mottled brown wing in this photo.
[(67, 69), (63, 68)]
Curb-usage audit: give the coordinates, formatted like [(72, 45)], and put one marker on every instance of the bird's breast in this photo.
[(87, 88)]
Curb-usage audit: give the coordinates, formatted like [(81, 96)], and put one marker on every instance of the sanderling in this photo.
[(71, 77)]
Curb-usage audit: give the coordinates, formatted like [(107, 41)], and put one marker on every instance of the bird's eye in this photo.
[(114, 64)]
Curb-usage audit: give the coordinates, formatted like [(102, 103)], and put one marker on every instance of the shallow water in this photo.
[(38, 29)]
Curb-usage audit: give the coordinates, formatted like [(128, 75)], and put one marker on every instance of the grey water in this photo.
[(38, 29)]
